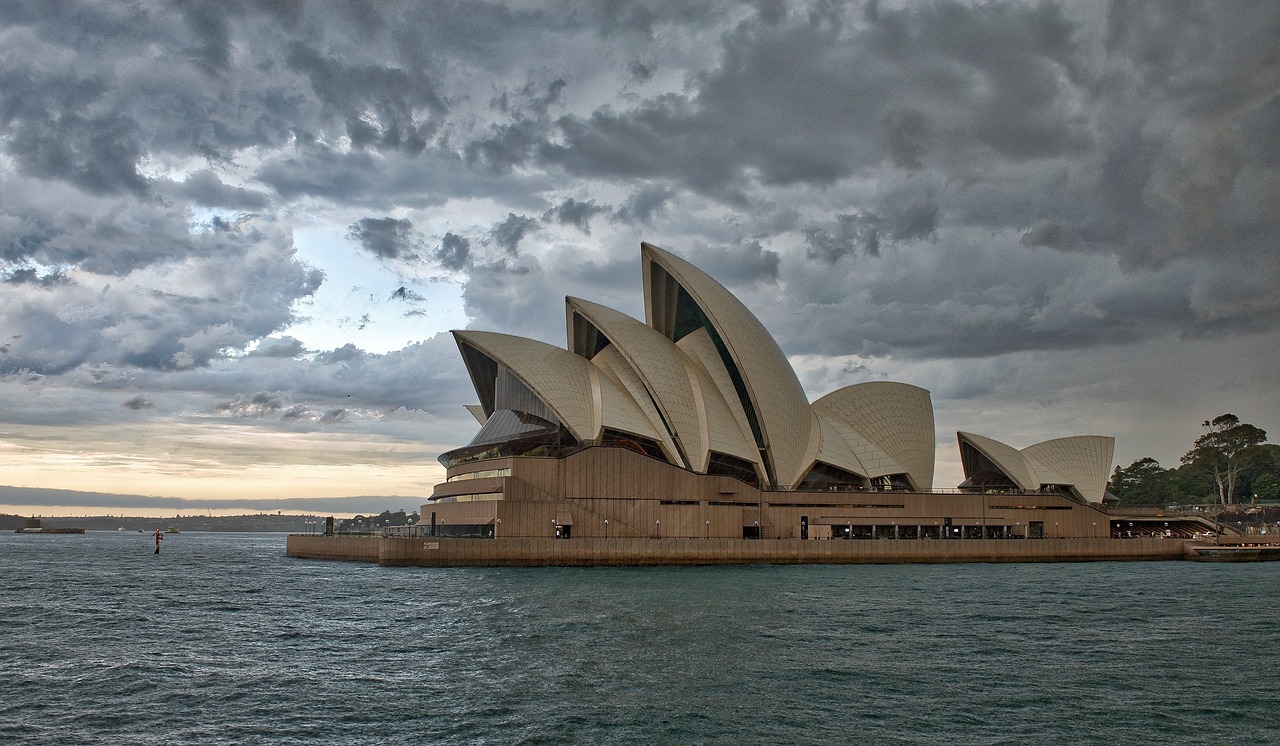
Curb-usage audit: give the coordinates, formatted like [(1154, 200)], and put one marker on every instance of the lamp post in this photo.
[(657, 529), (606, 528), (496, 523), (708, 536)]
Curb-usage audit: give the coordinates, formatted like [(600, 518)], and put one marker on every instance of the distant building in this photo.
[(694, 425)]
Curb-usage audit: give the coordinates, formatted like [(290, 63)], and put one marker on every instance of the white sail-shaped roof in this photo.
[(896, 417), (726, 425), (1005, 457), (661, 367), (582, 398), (1080, 463), (762, 377)]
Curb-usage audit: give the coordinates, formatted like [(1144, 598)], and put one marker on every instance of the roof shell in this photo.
[(1082, 461), (661, 366), (896, 417), (585, 400), (781, 407), (1006, 457)]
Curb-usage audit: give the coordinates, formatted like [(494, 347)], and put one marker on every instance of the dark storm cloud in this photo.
[(745, 264), (644, 204), (381, 106), (174, 316), (1010, 176), (385, 238), (205, 188), (98, 154), (32, 276), (507, 234), (575, 213), (454, 252)]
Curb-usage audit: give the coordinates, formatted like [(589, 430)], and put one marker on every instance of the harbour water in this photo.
[(223, 639)]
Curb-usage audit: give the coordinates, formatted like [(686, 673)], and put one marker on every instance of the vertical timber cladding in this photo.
[(644, 497)]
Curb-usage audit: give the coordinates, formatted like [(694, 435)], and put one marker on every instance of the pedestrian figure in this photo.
[(159, 538)]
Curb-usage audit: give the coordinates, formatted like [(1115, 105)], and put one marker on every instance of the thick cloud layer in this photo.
[(205, 204)]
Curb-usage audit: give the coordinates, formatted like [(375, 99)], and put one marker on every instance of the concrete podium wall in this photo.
[(530, 552)]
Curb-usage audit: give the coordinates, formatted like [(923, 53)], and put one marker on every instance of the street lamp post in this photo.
[(606, 528), (708, 536), (657, 529)]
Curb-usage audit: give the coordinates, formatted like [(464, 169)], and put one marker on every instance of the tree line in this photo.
[(1229, 463)]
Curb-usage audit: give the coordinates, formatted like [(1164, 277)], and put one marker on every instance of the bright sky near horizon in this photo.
[(234, 236)]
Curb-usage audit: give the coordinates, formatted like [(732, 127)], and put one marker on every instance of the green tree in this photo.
[(1267, 486), (1227, 448), (1139, 483)]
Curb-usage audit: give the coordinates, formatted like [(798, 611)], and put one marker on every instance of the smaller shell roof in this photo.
[(1080, 462), (896, 417), (1007, 458)]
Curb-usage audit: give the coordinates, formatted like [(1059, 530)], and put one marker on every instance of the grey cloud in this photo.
[(745, 264), (205, 188), (173, 316), (99, 154), (641, 72), (404, 100), (255, 405), (33, 276), (642, 205), (385, 238), (509, 232), (907, 134), (908, 215), (280, 347), (508, 146), (139, 402), (859, 231), (454, 252), (575, 213), (405, 294)]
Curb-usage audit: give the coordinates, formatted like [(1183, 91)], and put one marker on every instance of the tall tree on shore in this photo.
[(1227, 448)]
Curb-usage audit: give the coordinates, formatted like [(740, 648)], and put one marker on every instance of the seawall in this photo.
[(536, 552)]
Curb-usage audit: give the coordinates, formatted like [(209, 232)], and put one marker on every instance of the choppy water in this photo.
[(223, 639)]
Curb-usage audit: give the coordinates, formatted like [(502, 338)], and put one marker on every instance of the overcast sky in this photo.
[(233, 235)]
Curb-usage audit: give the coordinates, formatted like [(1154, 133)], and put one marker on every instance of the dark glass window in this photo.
[(824, 477), (647, 446), (724, 465)]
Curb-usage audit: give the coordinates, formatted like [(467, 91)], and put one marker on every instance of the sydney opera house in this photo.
[(693, 424)]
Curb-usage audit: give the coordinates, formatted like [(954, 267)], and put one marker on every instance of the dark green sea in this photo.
[(222, 639)]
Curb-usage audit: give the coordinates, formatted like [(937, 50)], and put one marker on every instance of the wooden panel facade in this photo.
[(617, 493)]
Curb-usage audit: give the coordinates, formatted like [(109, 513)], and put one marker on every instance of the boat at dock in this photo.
[(1242, 552)]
